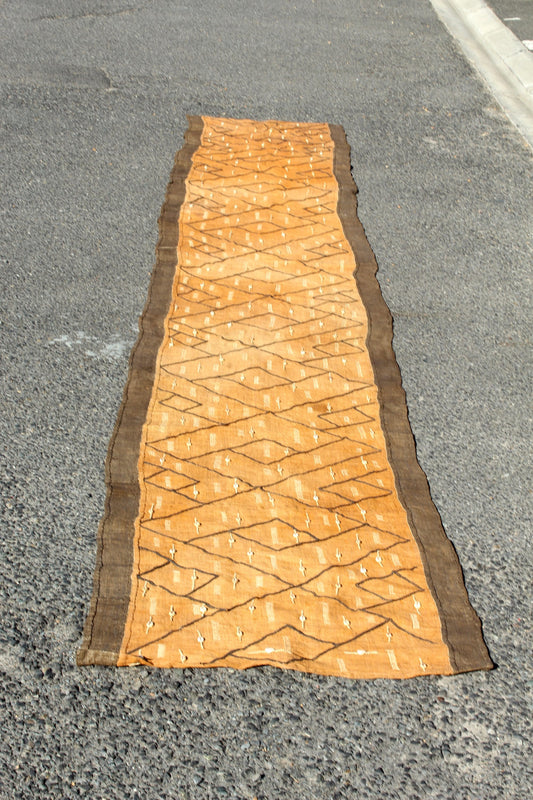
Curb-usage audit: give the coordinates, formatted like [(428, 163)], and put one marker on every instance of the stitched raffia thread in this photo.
[(270, 531)]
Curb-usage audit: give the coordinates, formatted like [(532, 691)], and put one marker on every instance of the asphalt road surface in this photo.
[(94, 97)]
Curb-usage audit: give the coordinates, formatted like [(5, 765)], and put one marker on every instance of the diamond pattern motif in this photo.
[(270, 530)]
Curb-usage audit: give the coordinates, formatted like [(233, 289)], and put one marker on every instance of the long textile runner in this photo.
[(265, 504)]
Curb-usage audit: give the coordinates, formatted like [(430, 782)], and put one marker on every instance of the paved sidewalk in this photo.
[(94, 96), (502, 59), (517, 15)]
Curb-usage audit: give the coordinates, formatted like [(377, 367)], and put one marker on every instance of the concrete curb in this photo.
[(498, 55)]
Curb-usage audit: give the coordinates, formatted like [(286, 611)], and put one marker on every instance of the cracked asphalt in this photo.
[(94, 97)]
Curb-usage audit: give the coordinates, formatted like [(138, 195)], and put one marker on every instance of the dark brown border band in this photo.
[(108, 612), (461, 626)]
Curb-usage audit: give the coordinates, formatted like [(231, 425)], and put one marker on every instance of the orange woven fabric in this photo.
[(269, 527)]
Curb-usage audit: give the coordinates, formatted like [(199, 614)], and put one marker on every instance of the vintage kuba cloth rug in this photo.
[(265, 504)]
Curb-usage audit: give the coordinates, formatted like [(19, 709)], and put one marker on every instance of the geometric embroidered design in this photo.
[(270, 531)]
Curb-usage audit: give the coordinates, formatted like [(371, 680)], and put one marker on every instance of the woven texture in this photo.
[(270, 524)]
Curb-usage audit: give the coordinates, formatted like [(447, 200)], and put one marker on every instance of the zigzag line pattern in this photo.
[(270, 530)]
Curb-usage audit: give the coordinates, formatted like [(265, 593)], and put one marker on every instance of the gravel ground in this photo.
[(94, 95)]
